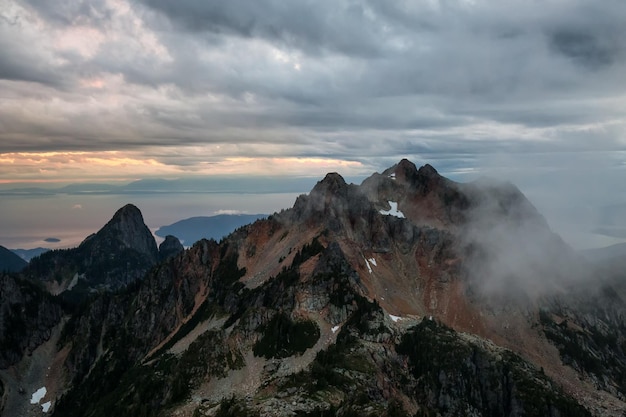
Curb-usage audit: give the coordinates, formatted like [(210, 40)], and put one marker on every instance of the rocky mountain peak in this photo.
[(128, 227), (427, 171), (129, 212), (332, 183), (171, 246), (405, 170), (118, 254), (329, 196)]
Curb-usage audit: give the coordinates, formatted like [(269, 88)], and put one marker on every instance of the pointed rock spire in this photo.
[(128, 227)]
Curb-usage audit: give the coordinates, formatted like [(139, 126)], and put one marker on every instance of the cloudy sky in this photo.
[(128, 89), (125, 89)]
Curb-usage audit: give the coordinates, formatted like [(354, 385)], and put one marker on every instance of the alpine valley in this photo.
[(406, 295)]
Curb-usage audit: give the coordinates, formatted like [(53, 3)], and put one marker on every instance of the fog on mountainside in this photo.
[(511, 249)]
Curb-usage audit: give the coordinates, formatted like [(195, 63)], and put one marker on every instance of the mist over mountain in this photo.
[(407, 295)]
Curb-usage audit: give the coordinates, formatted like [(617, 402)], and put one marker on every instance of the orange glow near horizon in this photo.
[(67, 167)]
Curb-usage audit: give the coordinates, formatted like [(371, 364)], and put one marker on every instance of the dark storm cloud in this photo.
[(342, 79), (307, 25), (17, 67), (585, 48)]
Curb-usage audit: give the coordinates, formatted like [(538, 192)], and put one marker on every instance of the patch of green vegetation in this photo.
[(233, 407), (283, 337), (330, 365), (308, 251), (366, 314), (227, 272)]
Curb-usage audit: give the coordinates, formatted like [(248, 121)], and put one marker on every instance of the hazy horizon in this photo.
[(28, 219), (125, 90)]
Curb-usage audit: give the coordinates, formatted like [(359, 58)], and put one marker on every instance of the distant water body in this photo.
[(26, 221)]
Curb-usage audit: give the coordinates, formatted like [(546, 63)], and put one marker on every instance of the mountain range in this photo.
[(406, 295), (225, 184), (193, 229)]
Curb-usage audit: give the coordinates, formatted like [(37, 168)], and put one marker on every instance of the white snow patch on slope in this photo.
[(372, 261), (334, 329), (369, 268), (46, 406), (393, 211), (38, 395), (394, 318)]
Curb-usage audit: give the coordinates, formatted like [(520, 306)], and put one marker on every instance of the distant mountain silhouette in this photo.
[(28, 254), (216, 227), (10, 262)]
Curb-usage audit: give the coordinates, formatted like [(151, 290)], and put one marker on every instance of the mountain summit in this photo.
[(407, 295), (128, 228), (118, 254)]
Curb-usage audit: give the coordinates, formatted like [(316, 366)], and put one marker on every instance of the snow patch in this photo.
[(394, 318), (393, 211), (369, 268), (369, 262), (38, 395), (334, 329), (74, 282), (392, 175), (46, 406)]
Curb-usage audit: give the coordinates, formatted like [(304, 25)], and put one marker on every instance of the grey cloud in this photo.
[(22, 58), (311, 26), (378, 78), (71, 12), (14, 67), (585, 48)]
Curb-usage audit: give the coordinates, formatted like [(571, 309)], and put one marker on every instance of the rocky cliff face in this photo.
[(169, 247), (27, 316), (406, 295)]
